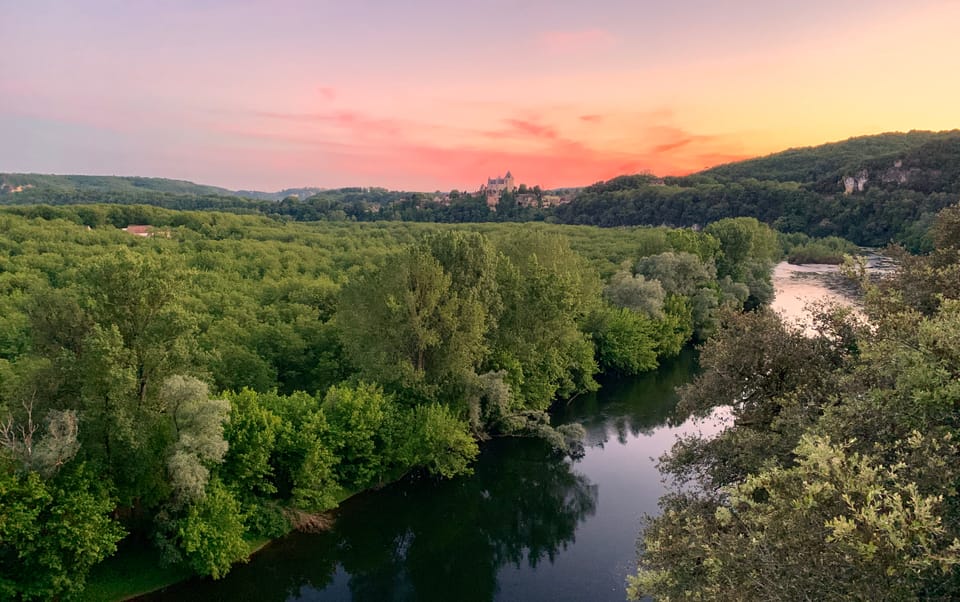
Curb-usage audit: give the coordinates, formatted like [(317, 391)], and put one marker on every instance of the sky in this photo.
[(441, 94)]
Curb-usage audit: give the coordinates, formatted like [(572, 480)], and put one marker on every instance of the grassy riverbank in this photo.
[(137, 570)]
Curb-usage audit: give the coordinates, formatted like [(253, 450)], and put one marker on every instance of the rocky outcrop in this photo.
[(856, 182), (7, 188), (896, 175)]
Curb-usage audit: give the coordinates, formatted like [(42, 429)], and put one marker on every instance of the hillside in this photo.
[(300, 193), (16, 188), (815, 163), (871, 190), (929, 168), (16, 183)]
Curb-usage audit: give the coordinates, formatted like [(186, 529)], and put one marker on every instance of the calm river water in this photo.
[(527, 525)]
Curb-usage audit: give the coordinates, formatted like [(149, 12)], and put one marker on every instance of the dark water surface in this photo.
[(526, 526)]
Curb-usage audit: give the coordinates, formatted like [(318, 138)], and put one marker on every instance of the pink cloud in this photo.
[(585, 40), (361, 148), (669, 146), (357, 123), (559, 163), (532, 128), (327, 93), (669, 138)]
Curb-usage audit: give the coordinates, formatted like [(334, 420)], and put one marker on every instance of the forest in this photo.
[(228, 378), (837, 476)]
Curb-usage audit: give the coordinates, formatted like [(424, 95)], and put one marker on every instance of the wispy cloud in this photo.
[(578, 41), (545, 145), (354, 121), (668, 139), (327, 93), (533, 129)]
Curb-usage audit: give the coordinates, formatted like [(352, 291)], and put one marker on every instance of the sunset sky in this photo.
[(434, 95)]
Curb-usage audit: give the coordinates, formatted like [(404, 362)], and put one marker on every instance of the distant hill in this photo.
[(929, 168), (815, 163), (300, 193), (12, 183), (871, 190)]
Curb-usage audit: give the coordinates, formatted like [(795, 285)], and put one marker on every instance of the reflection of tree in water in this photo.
[(425, 540), (635, 406), (429, 540), (279, 572), (447, 541)]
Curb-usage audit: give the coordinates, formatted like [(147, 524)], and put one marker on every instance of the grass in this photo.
[(130, 572), (137, 570)]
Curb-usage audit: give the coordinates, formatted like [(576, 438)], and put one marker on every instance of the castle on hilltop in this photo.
[(506, 183), (495, 186)]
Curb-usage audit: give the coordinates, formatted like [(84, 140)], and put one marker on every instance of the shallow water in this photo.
[(797, 286)]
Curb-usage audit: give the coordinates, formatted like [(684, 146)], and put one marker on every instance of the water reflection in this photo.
[(425, 540), (630, 407), (525, 526)]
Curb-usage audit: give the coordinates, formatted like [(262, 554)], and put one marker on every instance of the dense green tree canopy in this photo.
[(231, 377)]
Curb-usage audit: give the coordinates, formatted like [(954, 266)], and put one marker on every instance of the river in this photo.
[(795, 286), (527, 525)]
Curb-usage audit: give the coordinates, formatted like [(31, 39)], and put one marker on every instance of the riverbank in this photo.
[(137, 571), (527, 525)]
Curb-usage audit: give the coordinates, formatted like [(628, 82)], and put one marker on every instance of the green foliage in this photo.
[(547, 291), (198, 421), (924, 281), (626, 341), (51, 533), (302, 461), (835, 526), (315, 481), (251, 435), (679, 273), (444, 445), (909, 178), (801, 249), (636, 293), (743, 240), (676, 327), (357, 418), (406, 326), (211, 533), (816, 163), (687, 275)]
